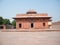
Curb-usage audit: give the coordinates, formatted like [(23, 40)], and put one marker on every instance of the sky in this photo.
[(9, 8)]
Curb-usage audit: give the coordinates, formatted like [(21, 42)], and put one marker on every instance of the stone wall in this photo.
[(37, 23)]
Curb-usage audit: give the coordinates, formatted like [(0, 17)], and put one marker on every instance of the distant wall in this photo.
[(6, 27), (55, 26)]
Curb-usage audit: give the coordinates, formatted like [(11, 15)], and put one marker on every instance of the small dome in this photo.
[(31, 12)]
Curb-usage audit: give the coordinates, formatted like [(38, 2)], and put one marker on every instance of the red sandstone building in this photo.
[(32, 20)]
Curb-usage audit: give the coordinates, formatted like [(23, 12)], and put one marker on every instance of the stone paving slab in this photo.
[(29, 38)]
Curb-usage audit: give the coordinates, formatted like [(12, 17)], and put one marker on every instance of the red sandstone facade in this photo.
[(32, 20)]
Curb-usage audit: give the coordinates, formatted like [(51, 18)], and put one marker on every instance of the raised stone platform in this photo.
[(29, 30)]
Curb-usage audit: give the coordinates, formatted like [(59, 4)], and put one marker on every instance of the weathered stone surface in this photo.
[(29, 38)]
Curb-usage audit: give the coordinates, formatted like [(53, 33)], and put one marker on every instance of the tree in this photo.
[(1, 20), (6, 22), (14, 23)]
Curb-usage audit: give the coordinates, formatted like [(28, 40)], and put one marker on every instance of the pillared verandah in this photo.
[(32, 20)]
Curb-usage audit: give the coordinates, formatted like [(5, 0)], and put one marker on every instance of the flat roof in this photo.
[(31, 16)]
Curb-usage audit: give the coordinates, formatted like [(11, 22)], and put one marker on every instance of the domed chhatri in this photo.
[(31, 12), (32, 20)]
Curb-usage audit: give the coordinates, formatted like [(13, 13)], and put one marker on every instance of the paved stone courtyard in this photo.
[(29, 38)]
